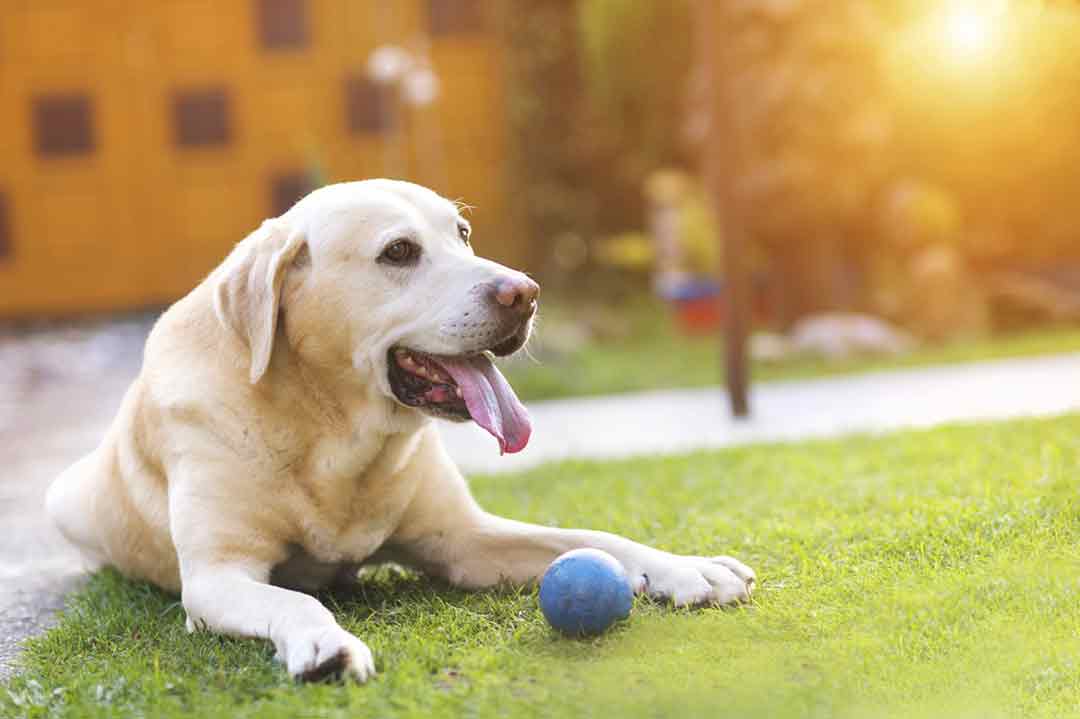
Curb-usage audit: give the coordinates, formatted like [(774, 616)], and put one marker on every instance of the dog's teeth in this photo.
[(400, 352), (457, 391)]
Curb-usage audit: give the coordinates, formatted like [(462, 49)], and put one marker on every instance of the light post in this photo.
[(720, 159)]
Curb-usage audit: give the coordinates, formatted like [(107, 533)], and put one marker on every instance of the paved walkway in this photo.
[(48, 421), (58, 392), (676, 421)]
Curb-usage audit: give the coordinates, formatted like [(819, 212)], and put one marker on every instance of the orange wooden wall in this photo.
[(138, 219)]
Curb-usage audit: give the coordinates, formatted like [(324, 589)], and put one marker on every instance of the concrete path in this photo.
[(676, 421), (58, 391), (51, 416)]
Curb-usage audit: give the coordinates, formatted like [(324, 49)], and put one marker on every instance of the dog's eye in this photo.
[(401, 253), (463, 231)]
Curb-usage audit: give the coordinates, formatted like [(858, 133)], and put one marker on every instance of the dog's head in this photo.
[(378, 278)]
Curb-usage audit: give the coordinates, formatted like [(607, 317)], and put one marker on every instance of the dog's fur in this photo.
[(261, 446)]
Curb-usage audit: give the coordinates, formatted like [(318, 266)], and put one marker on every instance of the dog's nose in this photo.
[(516, 292)]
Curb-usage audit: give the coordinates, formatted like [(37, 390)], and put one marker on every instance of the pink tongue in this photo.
[(491, 400)]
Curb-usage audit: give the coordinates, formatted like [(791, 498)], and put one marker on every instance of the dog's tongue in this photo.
[(491, 400)]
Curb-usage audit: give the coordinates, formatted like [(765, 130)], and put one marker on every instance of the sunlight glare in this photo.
[(971, 29)]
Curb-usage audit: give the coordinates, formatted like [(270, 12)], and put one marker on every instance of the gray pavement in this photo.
[(674, 421), (57, 397), (58, 391)]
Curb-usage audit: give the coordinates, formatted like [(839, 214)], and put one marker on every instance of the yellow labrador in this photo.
[(280, 434)]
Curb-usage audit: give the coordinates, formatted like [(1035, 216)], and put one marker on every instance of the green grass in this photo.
[(928, 574), (648, 351)]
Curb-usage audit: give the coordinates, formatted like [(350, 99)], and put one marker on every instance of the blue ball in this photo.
[(584, 592)]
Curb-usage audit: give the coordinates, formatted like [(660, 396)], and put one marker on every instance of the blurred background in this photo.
[(862, 184), (711, 192)]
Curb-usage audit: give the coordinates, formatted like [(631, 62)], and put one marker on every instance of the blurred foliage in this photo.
[(851, 130), (861, 129), (595, 101), (699, 231), (628, 250), (1000, 135), (582, 347), (800, 105), (549, 154), (695, 227), (599, 100), (636, 62), (803, 108)]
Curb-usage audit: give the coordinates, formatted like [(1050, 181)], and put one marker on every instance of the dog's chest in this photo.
[(353, 496)]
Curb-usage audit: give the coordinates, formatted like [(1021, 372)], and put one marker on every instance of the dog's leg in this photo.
[(489, 550), (446, 533), (233, 600), (226, 555)]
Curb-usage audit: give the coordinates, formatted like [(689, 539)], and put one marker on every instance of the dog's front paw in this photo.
[(328, 652), (689, 581)]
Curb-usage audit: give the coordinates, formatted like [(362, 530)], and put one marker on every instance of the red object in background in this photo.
[(699, 306), (700, 316)]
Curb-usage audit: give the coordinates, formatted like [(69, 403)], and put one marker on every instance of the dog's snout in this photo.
[(516, 292)]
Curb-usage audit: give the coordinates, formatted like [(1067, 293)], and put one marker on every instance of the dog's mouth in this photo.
[(461, 388)]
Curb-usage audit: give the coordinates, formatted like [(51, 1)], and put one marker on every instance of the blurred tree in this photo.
[(998, 131), (828, 107), (920, 275), (636, 60), (596, 94), (808, 129), (549, 156)]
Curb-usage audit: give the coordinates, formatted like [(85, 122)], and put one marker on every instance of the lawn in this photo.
[(924, 574), (595, 350)]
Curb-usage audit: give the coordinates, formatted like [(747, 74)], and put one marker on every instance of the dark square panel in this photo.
[(367, 105), (6, 242), (63, 124), (455, 17), (287, 188), (201, 118), (283, 24)]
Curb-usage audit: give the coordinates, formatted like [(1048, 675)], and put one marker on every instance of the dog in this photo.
[(280, 433)]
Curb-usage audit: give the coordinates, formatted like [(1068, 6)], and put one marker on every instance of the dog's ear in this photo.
[(247, 289)]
